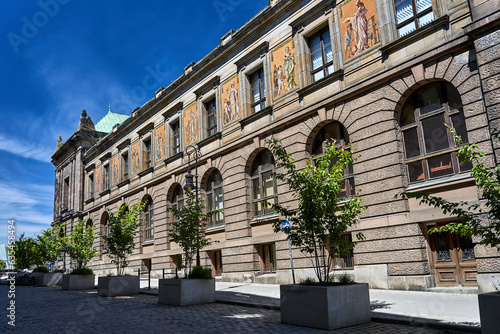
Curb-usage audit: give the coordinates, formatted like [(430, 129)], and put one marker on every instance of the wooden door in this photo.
[(454, 260)]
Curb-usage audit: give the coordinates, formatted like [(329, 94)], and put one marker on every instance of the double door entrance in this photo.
[(454, 259)]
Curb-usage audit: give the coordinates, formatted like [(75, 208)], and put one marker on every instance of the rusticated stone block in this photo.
[(488, 265), (385, 209), (398, 231), (490, 69), (487, 41), (415, 242), (442, 66), (409, 268), (399, 85), (392, 257)]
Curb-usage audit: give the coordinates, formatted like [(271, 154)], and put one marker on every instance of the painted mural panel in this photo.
[(98, 179), (135, 157), (190, 124), (160, 143), (358, 26), (230, 99), (66, 171), (115, 169), (283, 63)]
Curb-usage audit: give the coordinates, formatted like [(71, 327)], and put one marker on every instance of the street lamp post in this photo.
[(194, 151)]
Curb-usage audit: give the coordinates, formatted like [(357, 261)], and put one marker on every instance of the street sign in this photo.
[(285, 225)]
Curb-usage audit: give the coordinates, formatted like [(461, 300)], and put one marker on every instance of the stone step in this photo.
[(456, 290)]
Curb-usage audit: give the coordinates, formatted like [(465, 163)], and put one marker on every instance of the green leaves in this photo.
[(321, 217), (80, 244), (123, 226), (188, 227), (475, 220)]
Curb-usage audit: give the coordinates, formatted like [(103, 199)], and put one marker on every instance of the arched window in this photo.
[(263, 184), (178, 197), (104, 229), (215, 198), (89, 223), (148, 218), (430, 150), (335, 132)]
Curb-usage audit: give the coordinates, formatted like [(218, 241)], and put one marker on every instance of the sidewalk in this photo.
[(439, 310)]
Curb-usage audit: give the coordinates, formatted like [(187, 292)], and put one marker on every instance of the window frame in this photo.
[(210, 190), (210, 107), (271, 247), (414, 18), (148, 216), (90, 185), (124, 166), (261, 103), (423, 157), (349, 184), (147, 156), (258, 177), (105, 176), (176, 136), (325, 64)]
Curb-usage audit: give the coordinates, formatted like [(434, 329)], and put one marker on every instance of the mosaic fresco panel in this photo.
[(135, 157), (283, 64), (230, 100), (115, 169), (98, 179), (190, 124), (358, 26), (160, 143)]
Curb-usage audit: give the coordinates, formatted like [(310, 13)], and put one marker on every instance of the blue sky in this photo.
[(58, 57)]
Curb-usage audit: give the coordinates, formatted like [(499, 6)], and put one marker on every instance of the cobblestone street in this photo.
[(52, 310)]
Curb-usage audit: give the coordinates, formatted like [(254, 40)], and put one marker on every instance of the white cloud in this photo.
[(29, 203), (25, 149)]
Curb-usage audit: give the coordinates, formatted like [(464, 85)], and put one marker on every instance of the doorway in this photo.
[(453, 258)]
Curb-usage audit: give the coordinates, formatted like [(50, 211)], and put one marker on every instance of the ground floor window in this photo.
[(267, 253), (346, 261), (216, 258)]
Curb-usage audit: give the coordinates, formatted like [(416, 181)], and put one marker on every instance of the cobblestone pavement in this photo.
[(52, 310)]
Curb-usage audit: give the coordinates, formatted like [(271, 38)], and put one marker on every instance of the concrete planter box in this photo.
[(181, 292), (51, 279), (78, 282), (325, 307), (489, 304), (111, 286)]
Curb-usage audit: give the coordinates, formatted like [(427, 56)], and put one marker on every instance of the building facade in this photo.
[(384, 76)]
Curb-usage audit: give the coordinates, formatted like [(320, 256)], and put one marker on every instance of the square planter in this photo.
[(78, 282), (51, 279), (489, 304), (111, 286), (325, 307), (181, 292)]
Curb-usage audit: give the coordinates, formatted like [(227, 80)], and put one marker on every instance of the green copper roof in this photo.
[(107, 122)]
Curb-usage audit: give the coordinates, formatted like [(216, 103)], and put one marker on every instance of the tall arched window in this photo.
[(148, 218), (430, 151), (215, 198), (263, 184), (335, 132), (178, 197), (104, 229)]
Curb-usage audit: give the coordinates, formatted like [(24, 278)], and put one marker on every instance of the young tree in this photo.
[(123, 226), (48, 245), (188, 229), (80, 244), (474, 220), (24, 252), (317, 224), (3, 265)]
